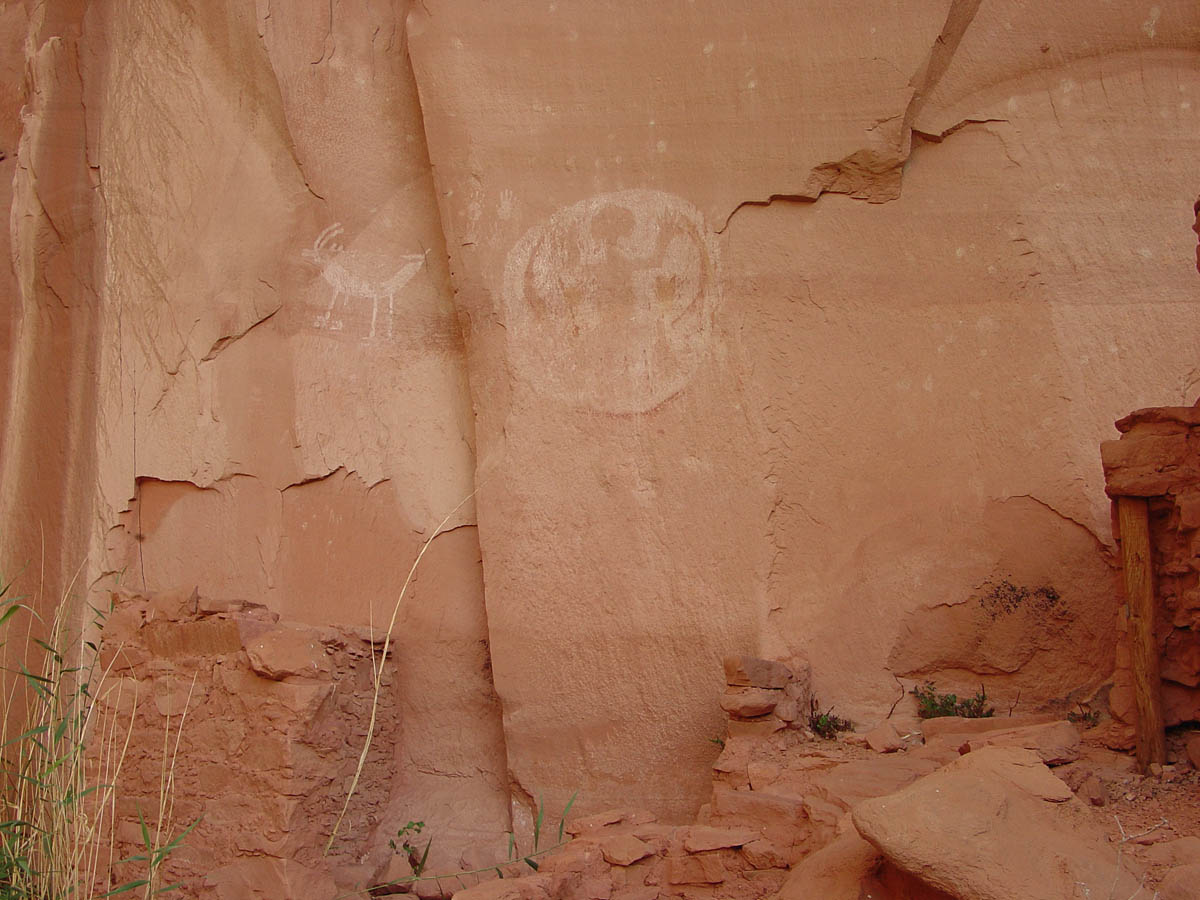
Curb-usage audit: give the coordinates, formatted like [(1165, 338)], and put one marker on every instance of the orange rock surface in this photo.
[(667, 332)]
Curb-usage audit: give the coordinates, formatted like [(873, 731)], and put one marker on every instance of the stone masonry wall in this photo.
[(1158, 457), (260, 723)]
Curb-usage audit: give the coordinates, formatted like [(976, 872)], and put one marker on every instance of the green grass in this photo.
[(63, 740)]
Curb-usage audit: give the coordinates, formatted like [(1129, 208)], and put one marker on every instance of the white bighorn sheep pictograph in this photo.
[(357, 273)]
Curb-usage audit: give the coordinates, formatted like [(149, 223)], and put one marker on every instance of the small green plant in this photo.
[(418, 864), (826, 725), (528, 859), (1088, 718), (720, 742), (933, 705), (416, 861)]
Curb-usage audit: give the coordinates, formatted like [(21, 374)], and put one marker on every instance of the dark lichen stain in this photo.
[(1003, 598)]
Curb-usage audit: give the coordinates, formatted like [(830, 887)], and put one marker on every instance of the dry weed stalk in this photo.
[(377, 664), (1125, 839)]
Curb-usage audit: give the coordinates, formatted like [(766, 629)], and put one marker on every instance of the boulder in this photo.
[(749, 702), (535, 887), (932, 728), (994, 824), (750, 671), (850, 868), (780, 819), (884, 738), (1093, 791), (1055, 742), (698, 838), (703, 868), (1184, 851), (1192, 750), (1181, 883), (286, 651), (624, 849), (837, 871)]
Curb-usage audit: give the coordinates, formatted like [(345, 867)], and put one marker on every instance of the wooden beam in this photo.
[(1133, 518)]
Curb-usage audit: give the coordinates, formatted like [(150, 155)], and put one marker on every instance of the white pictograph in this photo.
[(609, 303), (358, 276)]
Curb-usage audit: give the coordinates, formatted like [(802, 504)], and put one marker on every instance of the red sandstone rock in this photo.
[(830, 572), (760, 727), (883, 738), (624, 849), (761, 774), (172, 605), (845, 785), (257, 875), (1182, 851), (932, 728), (763, 854), (1192, 748), (702, 868), (585, 824), (249, 375), (788, 710), (780, 819), (1092, 791), (528, 888), (735, 756), (749, 702), (285, 651), (837, 871), (206, 638), (698, 838), (1181, 883), (1185, 416), (750, 671), (992, 807), (1055, 742), (1143, 465)]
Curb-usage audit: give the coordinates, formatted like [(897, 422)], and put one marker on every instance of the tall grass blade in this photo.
[(378, 678), (562, 821), (125, 888), (420, 867), (537, 824)]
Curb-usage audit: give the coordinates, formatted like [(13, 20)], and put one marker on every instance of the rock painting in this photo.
[(609, 303), (359, 277)]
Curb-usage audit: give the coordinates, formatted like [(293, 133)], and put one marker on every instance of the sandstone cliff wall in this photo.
[(769, 329)]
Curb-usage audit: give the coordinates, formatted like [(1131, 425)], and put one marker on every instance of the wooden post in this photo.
[(1133, 520)]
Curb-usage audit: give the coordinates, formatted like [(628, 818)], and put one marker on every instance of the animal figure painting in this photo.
[(359, 276)]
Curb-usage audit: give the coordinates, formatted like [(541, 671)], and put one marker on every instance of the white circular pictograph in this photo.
[(609, 303)]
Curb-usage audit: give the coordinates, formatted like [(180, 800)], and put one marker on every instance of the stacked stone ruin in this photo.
[(1157, 458), (762, 696)]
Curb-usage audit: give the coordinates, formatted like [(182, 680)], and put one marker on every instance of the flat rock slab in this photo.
[(750, 671), (1182, 883), (699, 838), (835, 872), (850, 868), (704, 869), (749, 702), (286, 651), (884, 738), (1184, 851), (994, 825), (624, 849), (931, 728), (1055, 743)]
